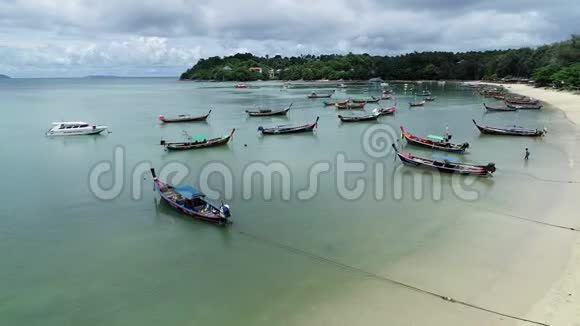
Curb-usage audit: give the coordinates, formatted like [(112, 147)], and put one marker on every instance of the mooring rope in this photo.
[(526, 219), (380, 277), (531, 176)]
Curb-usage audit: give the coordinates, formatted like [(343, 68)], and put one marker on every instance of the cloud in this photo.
[(74, 37)]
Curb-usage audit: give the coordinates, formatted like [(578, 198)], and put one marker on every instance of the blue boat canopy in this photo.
[(444, 158), (188, 192)]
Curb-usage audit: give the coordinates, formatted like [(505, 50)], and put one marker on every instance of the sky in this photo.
[(74, 38)]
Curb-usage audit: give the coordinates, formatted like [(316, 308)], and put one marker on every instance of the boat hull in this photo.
[(445, 167), (198, 145), (212, 218), (95, 131), (509, 132)]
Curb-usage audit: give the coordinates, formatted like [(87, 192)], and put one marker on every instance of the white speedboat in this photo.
[(74, 128)]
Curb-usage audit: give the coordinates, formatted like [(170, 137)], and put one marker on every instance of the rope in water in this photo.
[(526, 219), (379, 277), (531, 176)]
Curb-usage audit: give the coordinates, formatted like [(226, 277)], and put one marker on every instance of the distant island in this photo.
[(4, 77), (557, 63)]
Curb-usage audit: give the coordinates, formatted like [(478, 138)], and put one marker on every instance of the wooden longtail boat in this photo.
[(197, 144), (192, 202), (268, 112), (387, 111), (524, 106), (434, 144), (288, 129), (505, 109), (427, 93), (523, 101), (513, 131), (350, 106), (334, 103), (370, 117), (372, 100), (429, 99), (446, 166), (314, 95), (413, 104), (184, 118)]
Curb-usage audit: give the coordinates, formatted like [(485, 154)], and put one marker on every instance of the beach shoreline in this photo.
[(567, 102), (559, 306)]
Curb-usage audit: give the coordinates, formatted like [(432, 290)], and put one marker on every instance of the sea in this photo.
[(328, 227)]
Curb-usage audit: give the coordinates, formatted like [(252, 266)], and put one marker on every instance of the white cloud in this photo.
[(76, 37)]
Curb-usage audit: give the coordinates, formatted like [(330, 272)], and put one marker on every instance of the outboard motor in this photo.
[(465, 145), (162, 142), (260, 128), (225, 211), (490, 167)]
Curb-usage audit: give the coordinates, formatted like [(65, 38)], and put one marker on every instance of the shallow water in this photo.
[(69, 257)]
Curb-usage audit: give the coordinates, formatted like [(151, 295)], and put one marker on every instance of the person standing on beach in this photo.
[(527, 156)]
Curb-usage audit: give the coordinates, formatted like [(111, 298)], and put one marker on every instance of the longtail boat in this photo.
[(386, 97), (350, 106), (496, 109), (438, 143), (360, 118), (522, 100), (372, 100), (288, 129), (429, 98), (197, 144), (192, 202), (446, 166), (314, 95), (387, 111), (413, 104), (184, 118), (524, 106), (334, 103), (512, 131), (241, 86), (268, 112)]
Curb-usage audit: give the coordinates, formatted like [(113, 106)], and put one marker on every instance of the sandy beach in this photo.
[(568, 102), (560, 305)]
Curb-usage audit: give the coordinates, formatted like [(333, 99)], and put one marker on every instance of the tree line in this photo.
[(557, 63)]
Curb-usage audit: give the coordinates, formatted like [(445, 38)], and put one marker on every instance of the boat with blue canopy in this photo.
[(189, 200)]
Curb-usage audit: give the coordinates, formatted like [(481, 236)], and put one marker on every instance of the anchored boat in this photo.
[(370, 117), (288, 129), (192, 202), (201, 142), (512, 131), (184, 118), (496, 109), (74, 128), (446, 166), (387, 111), (438, 143), (268, 112)]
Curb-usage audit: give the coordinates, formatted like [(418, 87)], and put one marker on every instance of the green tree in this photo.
[(568, 77)]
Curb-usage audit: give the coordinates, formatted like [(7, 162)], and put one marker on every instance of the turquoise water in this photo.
[(69, 257)]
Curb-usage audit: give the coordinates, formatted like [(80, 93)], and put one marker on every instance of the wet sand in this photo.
[(561, 303)]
